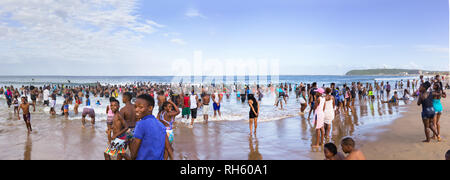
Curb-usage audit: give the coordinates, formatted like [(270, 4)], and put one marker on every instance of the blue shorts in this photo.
[(216, 107)]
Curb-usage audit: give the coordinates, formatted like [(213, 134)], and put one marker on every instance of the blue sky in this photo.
[(306, 36)]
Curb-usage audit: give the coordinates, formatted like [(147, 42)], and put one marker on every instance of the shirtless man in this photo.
[(117, 147), (128, 112), (161, 99), (25, 106), (206, 99), (348, 146)]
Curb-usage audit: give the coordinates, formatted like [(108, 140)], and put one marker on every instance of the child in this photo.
[(16, 105), (167, 117), (117, 148), (348, 146), (53, 104), (331, 153), (66, 108)]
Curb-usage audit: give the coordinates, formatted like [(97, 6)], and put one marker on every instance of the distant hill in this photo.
[(392, 72)]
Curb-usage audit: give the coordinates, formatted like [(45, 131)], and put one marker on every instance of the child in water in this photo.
[(16, 104)]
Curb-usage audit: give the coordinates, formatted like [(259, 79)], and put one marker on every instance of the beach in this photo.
[(284, 139), (381, 131), (402, 140)]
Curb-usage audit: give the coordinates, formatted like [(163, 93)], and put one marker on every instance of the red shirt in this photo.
[(186, 101)]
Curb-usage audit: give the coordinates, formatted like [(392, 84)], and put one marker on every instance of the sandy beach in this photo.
[(402, 140)]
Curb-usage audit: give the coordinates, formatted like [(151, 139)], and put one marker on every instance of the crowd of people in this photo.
[(133, 132)]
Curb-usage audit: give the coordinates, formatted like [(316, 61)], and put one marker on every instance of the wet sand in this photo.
[(286, 139), (402, 140)]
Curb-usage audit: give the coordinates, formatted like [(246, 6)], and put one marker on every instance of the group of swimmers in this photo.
[(122, 124)]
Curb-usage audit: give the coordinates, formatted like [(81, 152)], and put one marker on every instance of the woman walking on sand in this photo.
[(319, 117), (428, 112), (329, 112)]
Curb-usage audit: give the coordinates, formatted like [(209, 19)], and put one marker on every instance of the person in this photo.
[(348, 146), (16, 104), (193, 107), (206, 99), (33, 94), (167, 116), (8, 95), (437, 93), (217, 99), (88, 110), (53, 104), (394, 99), (109, 116), (388, 89), (46, 95), (280, 97), (447, 155), (161, 99), (328, 109), (77, 104), (186, 110), (331, 153), (128, 112), (117, 148), (66, 108), (150, 140), (319, 116), (303, 102), (254, 113), (25, 106), (428, 111), (312, 98)]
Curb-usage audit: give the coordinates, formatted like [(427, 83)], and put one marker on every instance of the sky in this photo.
[(149, 37)]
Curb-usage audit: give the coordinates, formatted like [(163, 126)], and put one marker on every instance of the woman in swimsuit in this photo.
[(167, 117), (437, 95), (428, 112), (110, 116)]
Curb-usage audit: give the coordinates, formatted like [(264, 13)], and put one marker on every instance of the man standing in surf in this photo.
[(217, 100)]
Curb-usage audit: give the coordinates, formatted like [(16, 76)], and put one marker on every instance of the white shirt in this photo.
[(46, 94), (193, 102)]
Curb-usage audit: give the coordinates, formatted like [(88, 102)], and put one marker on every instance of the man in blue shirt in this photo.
[(150, 138)]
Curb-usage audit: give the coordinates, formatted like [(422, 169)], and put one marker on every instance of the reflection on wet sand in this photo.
[(28, 148), (254, 151)]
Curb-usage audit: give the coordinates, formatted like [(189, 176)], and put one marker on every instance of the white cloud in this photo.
[(191, 13), (178, 41), (76, 30), (431, 48)]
